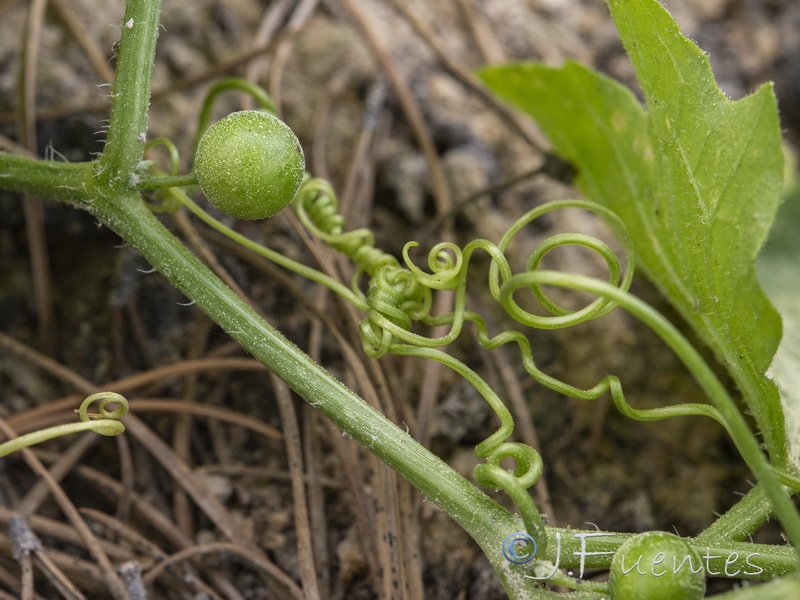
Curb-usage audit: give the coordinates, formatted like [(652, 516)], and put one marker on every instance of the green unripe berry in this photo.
[(657, 566), (249, 165)]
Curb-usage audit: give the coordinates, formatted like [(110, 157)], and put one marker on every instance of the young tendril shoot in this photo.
[(105, 422)]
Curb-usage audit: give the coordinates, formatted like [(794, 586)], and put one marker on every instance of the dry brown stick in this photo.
[(63, 532), (182, 431), (57, 577), (267, 29), (127, 477), (359, 167), (205, 499), (413, 114), (313, 456), (78, 30), (84, 571), (9, 145), (23, 544), (31, 502), (199, 492), (254, 558), (5, 596), (26, 547), (45, 363), (316, 499), (379, 503), (411, 540), (269, 474), (302, 13), (226, 587), (485, 40), (26, 125), (112, 489), (6, 4), (110, 576), (7, 578), (124, 532), (515, 122), (294, 457)]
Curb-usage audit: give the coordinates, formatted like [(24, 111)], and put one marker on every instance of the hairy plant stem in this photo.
[(45, 178), (130, 98)]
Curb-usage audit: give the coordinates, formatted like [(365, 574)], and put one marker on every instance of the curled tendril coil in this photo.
[(103, 399), (106, 422), (398, 296)]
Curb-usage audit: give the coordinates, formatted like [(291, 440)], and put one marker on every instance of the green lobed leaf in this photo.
[(696, 177)]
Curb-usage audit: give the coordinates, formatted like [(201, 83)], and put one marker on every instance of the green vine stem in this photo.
[(46, 178), (742, 519), (130, 96)]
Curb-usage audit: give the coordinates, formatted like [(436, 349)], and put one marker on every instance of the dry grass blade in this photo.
[(271, 22), (34, 222), (516, 124), (253, 558), (205, 500), (113, 489), (90, 576), (409, 106), (57, 578), (294, 456), (31, 502), (65, 533), (142, 545), (270, 474), (490, 47), (25, 546), (302, 13), (76, 27)]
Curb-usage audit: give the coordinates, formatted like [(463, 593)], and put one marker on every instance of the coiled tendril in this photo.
[(106, 422), (396, 296)]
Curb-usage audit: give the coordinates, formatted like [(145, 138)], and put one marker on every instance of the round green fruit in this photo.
[(249, 165), (657, 566)]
